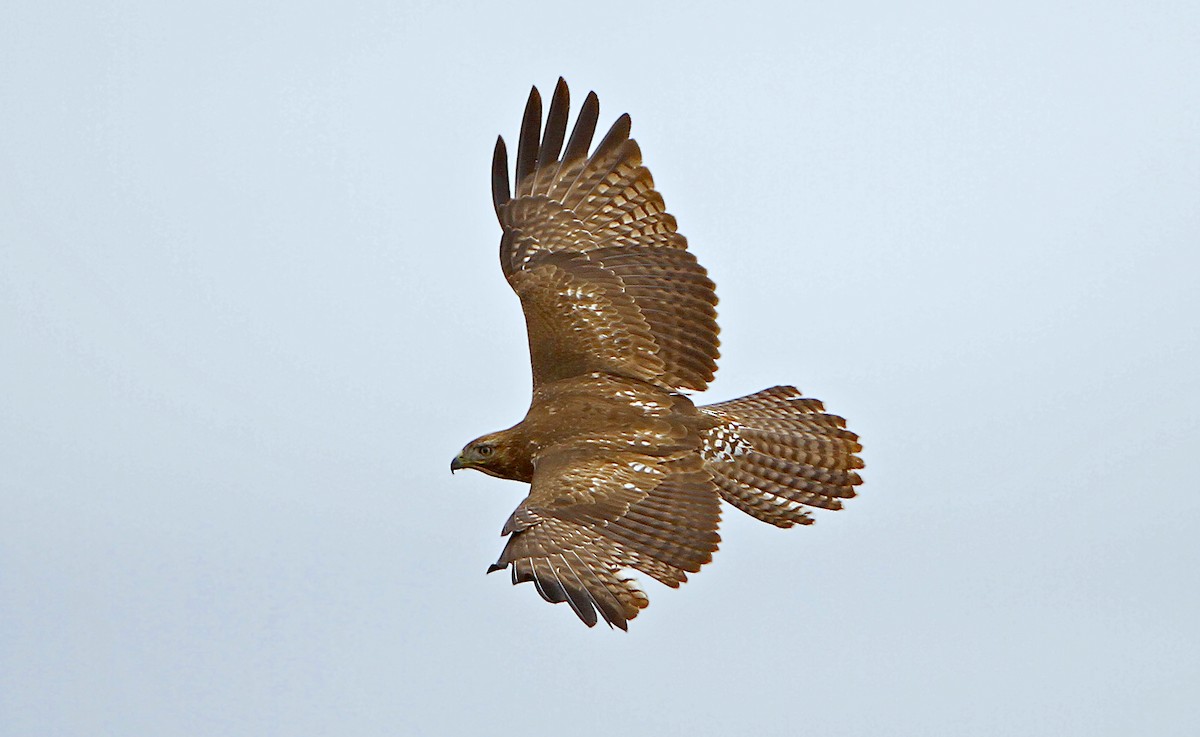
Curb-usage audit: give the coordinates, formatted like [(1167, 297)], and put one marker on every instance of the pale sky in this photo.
[(250, 308)]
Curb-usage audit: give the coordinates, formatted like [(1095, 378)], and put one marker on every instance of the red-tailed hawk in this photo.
[(624, 471)]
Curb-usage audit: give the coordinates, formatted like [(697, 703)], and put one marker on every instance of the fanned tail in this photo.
[(776, 453)]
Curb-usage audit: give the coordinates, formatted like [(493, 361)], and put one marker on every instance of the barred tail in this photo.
[(775, 453)]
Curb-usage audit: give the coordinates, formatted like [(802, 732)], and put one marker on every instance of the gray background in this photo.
[(250, 307)]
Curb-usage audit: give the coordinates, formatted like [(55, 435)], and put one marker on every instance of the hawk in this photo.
[(625, 472)]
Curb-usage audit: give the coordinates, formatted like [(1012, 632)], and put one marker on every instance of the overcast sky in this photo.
[(250, 308)]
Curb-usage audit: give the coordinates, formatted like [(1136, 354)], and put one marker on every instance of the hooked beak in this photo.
[(456, 464)]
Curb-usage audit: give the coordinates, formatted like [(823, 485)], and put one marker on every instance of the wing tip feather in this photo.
[(556, 125), (501, 192), (584, 130), (530, 141)]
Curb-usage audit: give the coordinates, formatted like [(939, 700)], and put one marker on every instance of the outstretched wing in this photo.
[(590, 515), (606, 282)]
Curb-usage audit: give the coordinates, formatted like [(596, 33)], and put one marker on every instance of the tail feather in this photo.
[(803, 477), (819, 451), (761, 505), (775, 453)]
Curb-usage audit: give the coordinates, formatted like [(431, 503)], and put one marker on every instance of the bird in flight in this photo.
[(625, 472)]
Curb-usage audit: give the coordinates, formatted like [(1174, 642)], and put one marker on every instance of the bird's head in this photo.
[(493, 454)]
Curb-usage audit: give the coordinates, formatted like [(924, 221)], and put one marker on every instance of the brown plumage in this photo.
[(625, 472)]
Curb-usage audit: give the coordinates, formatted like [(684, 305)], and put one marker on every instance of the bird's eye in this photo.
[(485, 450)]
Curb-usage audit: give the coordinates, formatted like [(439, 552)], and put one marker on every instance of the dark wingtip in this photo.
[(495, 567), (617, 135), (624, 123), (585, 128), (556, 125), (500, 190), (531, 128)]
